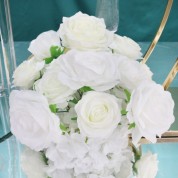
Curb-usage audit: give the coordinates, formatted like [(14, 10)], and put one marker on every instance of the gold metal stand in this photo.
[(159, 32), (171, 76), (167, 137)]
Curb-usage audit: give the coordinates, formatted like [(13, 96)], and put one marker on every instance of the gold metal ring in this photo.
[(171, 75), (159, 32)]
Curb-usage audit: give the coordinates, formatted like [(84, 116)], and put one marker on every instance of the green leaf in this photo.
[(77, 130), (86, 139), (124, 112), (63, 127), (132, 125), (128, 95), (74, 118), (53, 108), (45, 159), (86, 89), (48, 60), (56, 51), (75, 101)]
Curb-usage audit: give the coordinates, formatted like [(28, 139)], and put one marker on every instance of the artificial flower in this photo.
[(32, 164), (132, 73), (147, 166), (40, 47), (27, 72), (126, 46), (151, 109), (99, 70), (84, 32), (52, 88), (31, 120), (98, 114)]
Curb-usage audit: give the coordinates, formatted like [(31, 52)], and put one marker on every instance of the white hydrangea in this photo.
[(67, 150)]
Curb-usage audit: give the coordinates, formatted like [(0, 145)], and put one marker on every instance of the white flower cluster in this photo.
[(83, 94)]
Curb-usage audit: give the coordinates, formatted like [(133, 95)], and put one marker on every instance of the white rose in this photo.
[(151, 109), (26, 73), (50, 86), (32, 164), (99, 70), (84, 32), (126, 47), (40, 47), (147, 166), (98, 114), (31, 119), (132, 73)]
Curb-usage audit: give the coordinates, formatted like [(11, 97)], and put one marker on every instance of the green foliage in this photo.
[(48, 60), (74, 101), (132, 125), (45, 159), (124, 112), (63, 127), (137, 156), (74, 118), (86, 139), (128, 95), (53, 108), (85, 89), (56, 51)]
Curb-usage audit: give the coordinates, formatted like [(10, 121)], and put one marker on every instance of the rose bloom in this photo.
[(31, 119), (126, 46), (40, 47), (32, 164), (132, 73), (84, 32), (98, 114), (27, 72), (50, 86), (151, 109), (147, 166), (99, 70)]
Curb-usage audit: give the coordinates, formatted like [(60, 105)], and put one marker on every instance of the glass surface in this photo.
[(9, 149), (108, 10), (8, 61)]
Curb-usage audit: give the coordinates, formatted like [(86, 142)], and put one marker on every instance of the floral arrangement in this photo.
[(84, 104)]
